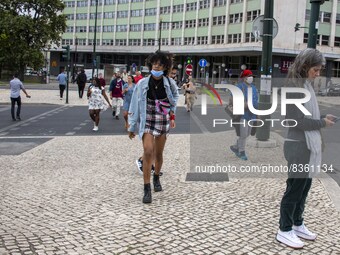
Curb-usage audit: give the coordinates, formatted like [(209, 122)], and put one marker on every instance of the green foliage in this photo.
[(26, 29)]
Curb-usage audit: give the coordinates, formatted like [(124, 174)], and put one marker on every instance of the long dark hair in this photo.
[(165, 59), (133, 79), (97, 82)]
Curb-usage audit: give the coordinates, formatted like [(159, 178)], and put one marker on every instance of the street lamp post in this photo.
[(160, 34), (94, 41)]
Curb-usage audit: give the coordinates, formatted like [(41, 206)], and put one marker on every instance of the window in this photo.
[(220, 2), (69, 4), (69, 29), (93, 15), (91, 29), (220, 20), (337, 19), (324, 39), (150, 12), (234, 38), (326, 17), (202, 40), (136, 27), (81, 16), (82, 4), (108, 28), (137, 13), (81, 29), (235, 18), (305, 38), (307, 15), (250, 37), (236, 1), (109, 15), (70, 16), (109, 2), (177, 25), (166, 26), (176, 41), (107, 42), (204, 4), (190, 23), (107, 58), (189, 40), (149, 26), (337, 41), (191, 7), (165, 9), (66, 41), (134, 42), (93, 2), (81, 41), (217, 39), (123, 1), (91, 41), (121, 28), (203, 22), (251, 15), (178, 8), (336, 69), (164, 41), (136, 1), (148, 42), (120, 42), (122, 14)]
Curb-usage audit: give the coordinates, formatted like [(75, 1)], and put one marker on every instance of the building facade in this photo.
[(219, 31)]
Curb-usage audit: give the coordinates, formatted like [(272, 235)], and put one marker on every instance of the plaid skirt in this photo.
[(156, 123)]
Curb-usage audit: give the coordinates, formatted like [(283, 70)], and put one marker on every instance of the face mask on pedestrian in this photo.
[(157, 73), (250, 79)]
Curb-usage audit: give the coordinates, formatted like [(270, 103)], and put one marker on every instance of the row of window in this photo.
[(201, 40), (189, 7)]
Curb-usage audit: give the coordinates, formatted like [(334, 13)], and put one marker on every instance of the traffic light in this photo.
[(189, 61), (66, 54)]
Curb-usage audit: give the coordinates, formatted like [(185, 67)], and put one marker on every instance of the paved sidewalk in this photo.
[(82, 195)]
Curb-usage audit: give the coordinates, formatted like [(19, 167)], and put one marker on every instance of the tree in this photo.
[(26, 28)]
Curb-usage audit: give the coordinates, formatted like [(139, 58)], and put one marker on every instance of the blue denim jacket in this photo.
[(137, 110), (247, 114)]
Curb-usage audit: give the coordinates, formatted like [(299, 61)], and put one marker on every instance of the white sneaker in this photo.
[(303, 232), (95, 128), (290, 239)]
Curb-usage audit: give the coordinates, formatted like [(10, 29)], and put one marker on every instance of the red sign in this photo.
[(188, 69)]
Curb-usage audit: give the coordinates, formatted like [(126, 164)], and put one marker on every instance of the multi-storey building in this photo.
[(218, 30)]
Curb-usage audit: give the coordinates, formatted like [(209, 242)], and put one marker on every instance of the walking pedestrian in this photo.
[(116, 94), (81, 81), (302, 149), (243, 130), (62, 79), (96, 95), (15, 86), (128, 89), (153, 104), (190, 93)]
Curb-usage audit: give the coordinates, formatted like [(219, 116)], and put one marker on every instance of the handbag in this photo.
[(161, 107)]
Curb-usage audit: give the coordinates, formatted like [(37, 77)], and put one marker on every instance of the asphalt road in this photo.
[(42, 122)]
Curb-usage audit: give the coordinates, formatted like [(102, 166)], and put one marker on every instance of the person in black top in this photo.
[(81, 81)]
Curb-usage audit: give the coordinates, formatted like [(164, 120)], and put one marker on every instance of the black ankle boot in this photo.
[(156, 183), (147, 194)]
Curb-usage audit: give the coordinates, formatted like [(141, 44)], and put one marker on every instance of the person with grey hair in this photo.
[(302, 149)]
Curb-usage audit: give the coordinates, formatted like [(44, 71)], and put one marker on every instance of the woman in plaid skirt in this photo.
[(153, 105)]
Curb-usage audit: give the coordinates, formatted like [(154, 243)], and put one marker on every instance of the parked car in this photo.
[(334, 90)]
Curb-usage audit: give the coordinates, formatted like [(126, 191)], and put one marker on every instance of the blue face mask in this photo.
[(157, 73)]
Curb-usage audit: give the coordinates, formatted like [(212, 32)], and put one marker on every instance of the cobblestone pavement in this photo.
[(82, 195)]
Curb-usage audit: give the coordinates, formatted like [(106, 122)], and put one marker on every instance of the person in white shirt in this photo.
[(15, 86)]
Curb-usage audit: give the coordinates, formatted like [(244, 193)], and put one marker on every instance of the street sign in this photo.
[(134, 65), (203, 62), (257, 28), (188, 69)]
